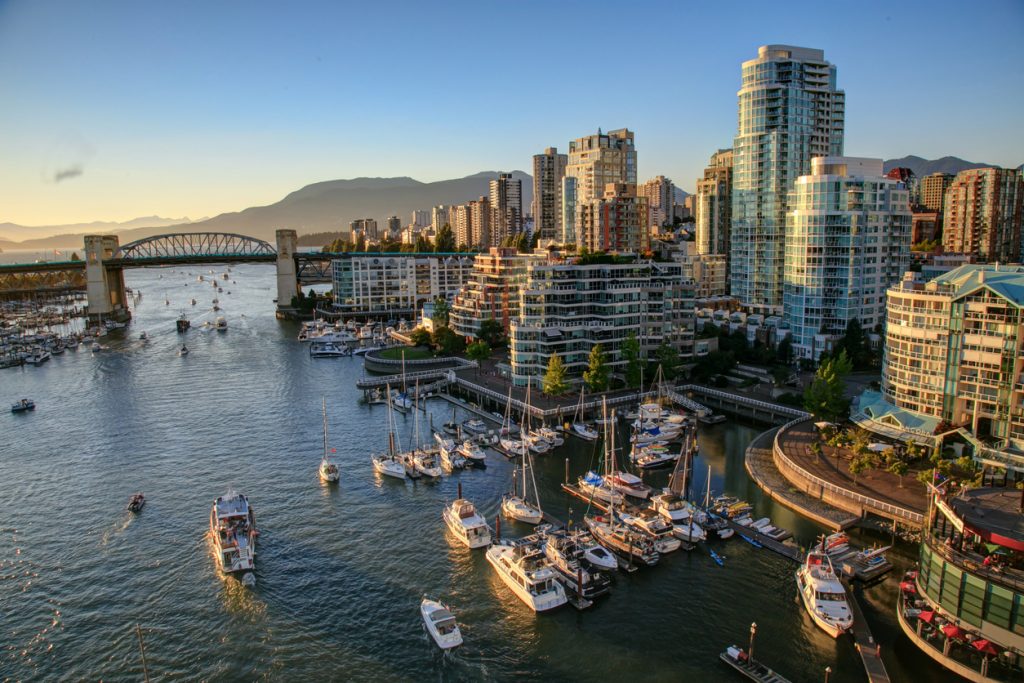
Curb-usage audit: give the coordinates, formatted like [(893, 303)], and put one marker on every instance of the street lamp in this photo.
[(828, 670), (753, 632)]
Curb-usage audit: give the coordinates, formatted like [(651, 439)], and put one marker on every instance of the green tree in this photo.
[(444, 242), (423, 244), (74, 256), (668, 357), (447, 342), (596, 374), (491, 332), (554, 383), (824, 397), (784, 351), (420, 337), (858, 466), (440, 315), (478, 351), (631, 354), (899, 467)]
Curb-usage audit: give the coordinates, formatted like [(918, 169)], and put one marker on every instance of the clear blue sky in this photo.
[(195, 108)]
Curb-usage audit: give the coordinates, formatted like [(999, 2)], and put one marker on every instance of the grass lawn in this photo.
[(411, 353)]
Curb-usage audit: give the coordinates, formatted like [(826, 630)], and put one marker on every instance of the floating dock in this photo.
[(785, 549), (870, 655), (751, 668), (852, 565)]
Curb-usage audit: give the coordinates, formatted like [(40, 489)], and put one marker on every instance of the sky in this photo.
[(111, 110)]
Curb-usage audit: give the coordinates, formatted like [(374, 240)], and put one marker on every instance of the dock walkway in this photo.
[(866, 645), (785, 549)]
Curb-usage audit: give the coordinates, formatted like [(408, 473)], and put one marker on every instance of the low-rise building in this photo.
[(396, 284), (567, 308)]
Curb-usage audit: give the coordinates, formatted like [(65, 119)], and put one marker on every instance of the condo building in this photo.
[(506, 200), (847, 241), (660, 193), (367, 227), (462, 225), (480, 224), (617, 221), (440, 216), (567, 308), (982, 214), (396, 284), (548, 171), (394, 226), (421, 218), (594, 162), (790, 111), (713, 205), (491, 290), (954, 363), (933, 190)]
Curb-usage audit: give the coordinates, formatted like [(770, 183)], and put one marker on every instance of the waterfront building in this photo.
[(491, 290), (396, 284), (616, 222), (506, 200), (660, 193), (713, 205), (567, 308), (548, 171), (954, 364), (790, 111), (421, 218), (847, 241), (982, 214), (933, 190), (367, 227), (964, 607), (480, 224)]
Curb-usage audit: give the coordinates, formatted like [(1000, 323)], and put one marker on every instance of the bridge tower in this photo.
[(104, 284), (287, 277)]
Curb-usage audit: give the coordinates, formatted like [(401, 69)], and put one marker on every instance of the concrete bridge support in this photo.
[(104, 285), (287, 277)]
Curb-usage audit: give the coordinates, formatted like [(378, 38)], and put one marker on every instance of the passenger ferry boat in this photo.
[(823, 594), (526, 571), (233, 529), (466, 523)]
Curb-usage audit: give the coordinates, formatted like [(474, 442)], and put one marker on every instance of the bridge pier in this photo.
[(287, 276), (104, 285)]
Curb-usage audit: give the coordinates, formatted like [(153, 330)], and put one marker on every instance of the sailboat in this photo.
[(389, 463), (512, 447), (682, 514), (423, 461), (581, 428), (592, 483), (400, 399), (328, 469), (518, 505)]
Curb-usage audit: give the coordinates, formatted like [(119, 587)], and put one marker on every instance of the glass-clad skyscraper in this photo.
[(789, 112)]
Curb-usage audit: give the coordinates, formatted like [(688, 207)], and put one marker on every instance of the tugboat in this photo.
[(23, 405), (233, 528), (136, 503)]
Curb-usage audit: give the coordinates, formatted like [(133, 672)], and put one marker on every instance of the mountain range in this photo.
[(329, 207)]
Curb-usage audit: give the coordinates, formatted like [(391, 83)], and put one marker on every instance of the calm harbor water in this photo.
[(340, 570)]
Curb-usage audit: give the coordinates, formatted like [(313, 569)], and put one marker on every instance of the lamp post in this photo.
[(828, 670), (753, 632)]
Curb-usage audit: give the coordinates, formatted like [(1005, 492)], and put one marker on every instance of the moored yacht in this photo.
[(233, 529), (451, 459), (526, 571), (473, 454), (594, 485), (823, 595), (660, 531), (617, 537), (566, 553), (466, 523), (629, 484)]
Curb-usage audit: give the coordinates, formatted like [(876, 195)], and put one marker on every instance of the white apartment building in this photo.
[(396, 284)]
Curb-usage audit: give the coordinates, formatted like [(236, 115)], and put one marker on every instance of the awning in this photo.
[(953, 631), (908, 587), (985, 647), (928, 616)]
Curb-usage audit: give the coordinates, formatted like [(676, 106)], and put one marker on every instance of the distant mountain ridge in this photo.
[(922, 167), (10, 232)]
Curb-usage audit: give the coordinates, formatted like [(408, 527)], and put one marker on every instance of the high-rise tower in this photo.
[(790, 111), (548, 171)]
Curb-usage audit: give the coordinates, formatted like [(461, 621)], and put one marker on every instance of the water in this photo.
[(340, 570)]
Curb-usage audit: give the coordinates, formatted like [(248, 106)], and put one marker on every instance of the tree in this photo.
[(596, 374), (858, 466), (478, 351), (824, 397), (360, 245), (631, 354), (74, 256), (784, 351), (444, 242), (447, 342), (899, 467), (491, 332), (423, 245), (668, 357), (420, 337), (554, 383), (440, 315)]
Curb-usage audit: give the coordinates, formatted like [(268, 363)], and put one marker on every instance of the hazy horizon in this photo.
[(228, 106)]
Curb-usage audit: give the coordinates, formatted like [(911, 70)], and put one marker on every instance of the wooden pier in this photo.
[(576, 491), (785, 549), (870, 655)]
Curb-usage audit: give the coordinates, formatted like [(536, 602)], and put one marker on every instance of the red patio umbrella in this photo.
[(953, 631), (908, 587), (985, 647), (928, 616)]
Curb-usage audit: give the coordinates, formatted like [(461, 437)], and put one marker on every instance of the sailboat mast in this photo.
[(325, 426)]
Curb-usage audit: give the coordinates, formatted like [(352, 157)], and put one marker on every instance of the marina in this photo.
[(156, 567)]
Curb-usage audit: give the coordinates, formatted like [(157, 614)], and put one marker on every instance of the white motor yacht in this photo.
[(473, 454), (233, 529), (551, 436), (451, 459), (616, 536), (526, 571), (585, 431), (660, 531), (221, 324), (426, 464), (629, 484), (823, 594), (466, 523), (440, 624)]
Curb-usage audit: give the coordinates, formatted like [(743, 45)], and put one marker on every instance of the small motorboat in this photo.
[(143, 336), (600, 558), (440, 623), (23, 405), (183, 351), (136, 502)]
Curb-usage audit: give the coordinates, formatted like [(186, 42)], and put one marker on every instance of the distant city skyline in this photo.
[(121, 110)]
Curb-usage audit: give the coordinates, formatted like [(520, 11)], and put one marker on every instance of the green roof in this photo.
[(1004, 281), (874, 405)]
